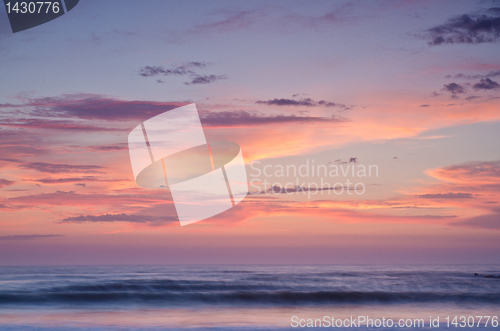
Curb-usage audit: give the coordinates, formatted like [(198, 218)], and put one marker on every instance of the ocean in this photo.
[(242, 297)]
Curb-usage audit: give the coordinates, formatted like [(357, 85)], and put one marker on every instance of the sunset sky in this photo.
[(409, 86)]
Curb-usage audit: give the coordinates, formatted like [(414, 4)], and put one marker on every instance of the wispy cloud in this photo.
[(54, 125), (259, 205), (490, 74), (29, 236), (276, 189), (274, 18), (473, 173), (480, 177), (110, 148), (71, 198), (488, 221), (86, 106)]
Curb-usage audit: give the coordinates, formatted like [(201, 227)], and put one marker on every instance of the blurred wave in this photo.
[(245, 285)]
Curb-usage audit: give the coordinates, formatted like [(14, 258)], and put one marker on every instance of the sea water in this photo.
[(242, 297)]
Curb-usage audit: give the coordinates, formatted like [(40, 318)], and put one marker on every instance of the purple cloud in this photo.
[(307, 102), (486, 84), (449, 195), (204, 79), (91, 107), (454, 88), (5, 182), (467, 29)]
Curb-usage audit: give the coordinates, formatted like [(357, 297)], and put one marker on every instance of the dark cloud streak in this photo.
[(307, 102), (449, 195), (57, 168), (204, 79), (188, 68), (246, 118), (185, 69), (110, 218)]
